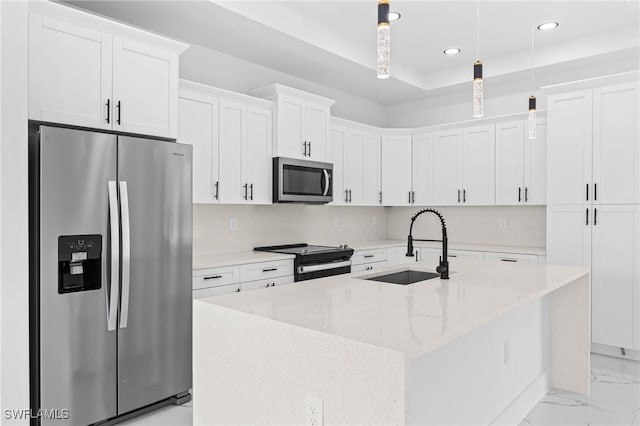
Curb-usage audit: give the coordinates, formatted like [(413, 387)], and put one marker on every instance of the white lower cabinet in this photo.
[(433, 255), (398, 256), (368, 260), (373, 266), (605, 238), (236, 278)]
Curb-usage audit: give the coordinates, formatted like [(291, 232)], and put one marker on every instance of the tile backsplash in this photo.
[(293, 223)]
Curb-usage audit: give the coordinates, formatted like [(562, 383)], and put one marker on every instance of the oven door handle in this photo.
[(323, 266), (326, 182)]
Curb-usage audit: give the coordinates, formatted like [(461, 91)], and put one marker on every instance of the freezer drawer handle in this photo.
[(213, 277), (126, 255), (114, 285)]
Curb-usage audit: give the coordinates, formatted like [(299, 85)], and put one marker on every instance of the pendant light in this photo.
[(532, 98), (478, 89), (384, 39)]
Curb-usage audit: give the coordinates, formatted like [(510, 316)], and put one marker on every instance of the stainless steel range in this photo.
[(315, 261)]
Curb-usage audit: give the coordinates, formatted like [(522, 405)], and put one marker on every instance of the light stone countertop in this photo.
[(367, 245), (205, 261), (411, 319)]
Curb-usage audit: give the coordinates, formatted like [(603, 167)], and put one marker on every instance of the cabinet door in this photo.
[(616, 146), (396, 170), (354, 170), (569, 235), (535, 167), (257, 155), (233, 126), (317, 121), (336, 155), (69, 73), (509, 163), (478, 165), (290, 127), (145, 85), (196, 126), (569, 150), (372, 170), (447, 151), (422, 161), (615, 278)]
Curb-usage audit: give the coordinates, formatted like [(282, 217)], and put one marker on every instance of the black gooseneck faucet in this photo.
[(443, 268)]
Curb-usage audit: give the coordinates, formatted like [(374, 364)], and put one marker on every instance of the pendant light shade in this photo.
[(478, 90), (384, 39), (532, 117)]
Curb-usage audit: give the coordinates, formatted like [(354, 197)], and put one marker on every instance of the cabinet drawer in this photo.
[(368, 256), (510, 257), (266, 283), (214, 277), (266, 270), (216, 291), (368, 266)]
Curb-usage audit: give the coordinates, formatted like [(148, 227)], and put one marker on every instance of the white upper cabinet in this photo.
[(257, 149), (569, 151), (396, 168), (90, 72), (355, 154), (197, 126), (302, 122), (422, 173), (616, 144), (520, 164), (478, 165), (145, 88), (232, 136), (447, 170), (59, 92)]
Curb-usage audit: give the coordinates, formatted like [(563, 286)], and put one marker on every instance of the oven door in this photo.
[(310, 272), (302, 181)]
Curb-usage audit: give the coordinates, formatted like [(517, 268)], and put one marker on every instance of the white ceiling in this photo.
[(333, 42)]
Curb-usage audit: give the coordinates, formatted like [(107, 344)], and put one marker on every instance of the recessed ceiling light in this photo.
[(394, 16), (548, 26), (451, 51)]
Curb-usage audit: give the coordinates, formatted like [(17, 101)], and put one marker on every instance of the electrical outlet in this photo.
[(503, 223), (233, 224), (336, 222), (313, 410)]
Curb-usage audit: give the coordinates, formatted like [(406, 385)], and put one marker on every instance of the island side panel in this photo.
[(475, 378), (570, 312), (248, 369)]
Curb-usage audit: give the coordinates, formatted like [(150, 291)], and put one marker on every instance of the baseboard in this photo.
[(524, 402), (600, 349)]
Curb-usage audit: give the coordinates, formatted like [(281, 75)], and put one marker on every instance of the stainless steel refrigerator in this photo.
[(110, 275)]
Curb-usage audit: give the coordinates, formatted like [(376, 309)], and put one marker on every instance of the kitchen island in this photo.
[(482, 347)]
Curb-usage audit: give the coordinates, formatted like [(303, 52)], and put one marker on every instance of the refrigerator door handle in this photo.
[(126, 255), (114, 286)]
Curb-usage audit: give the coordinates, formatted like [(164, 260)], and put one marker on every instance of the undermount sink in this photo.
[(404, 277)]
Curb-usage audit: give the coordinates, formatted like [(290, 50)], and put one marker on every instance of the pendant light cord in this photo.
[(478, 29), (532, 49)]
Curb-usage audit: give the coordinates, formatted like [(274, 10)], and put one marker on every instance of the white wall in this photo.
[(283, 224), (228, 72), (525, 226), (13, 208)]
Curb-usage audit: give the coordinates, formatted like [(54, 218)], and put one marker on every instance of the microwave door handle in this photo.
[(326, 181)]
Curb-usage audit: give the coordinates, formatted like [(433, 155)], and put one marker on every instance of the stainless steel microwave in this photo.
[(302, 181)]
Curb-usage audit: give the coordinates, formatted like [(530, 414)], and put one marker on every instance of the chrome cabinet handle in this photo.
[(108, 110), (114, 285), (126, 254)]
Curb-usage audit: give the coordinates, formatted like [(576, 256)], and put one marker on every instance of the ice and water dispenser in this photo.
[(79, 263)]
